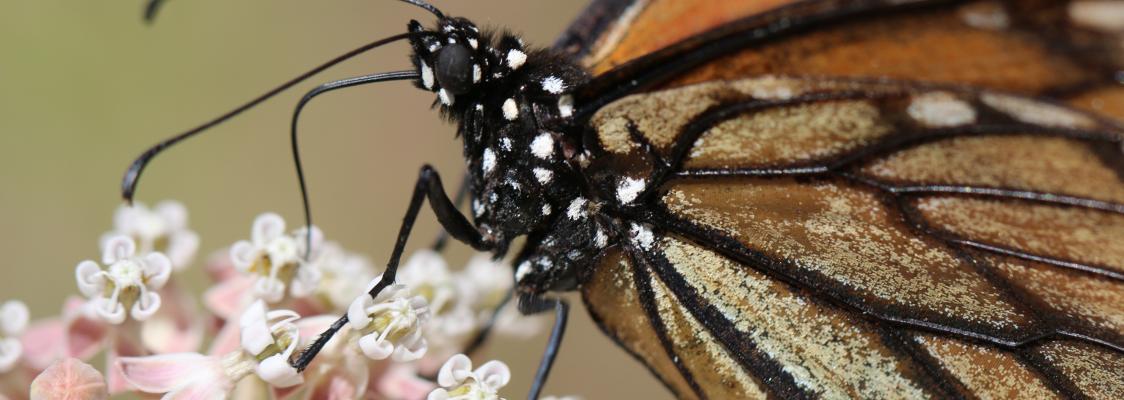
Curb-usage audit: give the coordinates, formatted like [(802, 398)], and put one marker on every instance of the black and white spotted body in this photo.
[(513, 111)]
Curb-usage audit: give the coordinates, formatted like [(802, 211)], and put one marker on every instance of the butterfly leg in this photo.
[(428, 186), (533, 304), (462, 193)]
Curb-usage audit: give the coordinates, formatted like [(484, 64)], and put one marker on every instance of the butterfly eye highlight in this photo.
[(454, 69)]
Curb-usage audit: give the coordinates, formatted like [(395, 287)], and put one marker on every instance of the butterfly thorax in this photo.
[(513, 112)]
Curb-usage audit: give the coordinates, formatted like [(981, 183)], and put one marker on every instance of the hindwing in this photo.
[(859, 238)]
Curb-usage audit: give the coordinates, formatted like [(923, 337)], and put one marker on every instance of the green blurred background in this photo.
[(85, 86)]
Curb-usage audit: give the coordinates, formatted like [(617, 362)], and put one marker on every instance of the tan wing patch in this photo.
[(1107, 101), (845, 237), (827, 351), (717, 372), (1037, 112), (1063, 233), (611, 297), (1089, 300), (1034, 163), (1095, 371), (987, 372)]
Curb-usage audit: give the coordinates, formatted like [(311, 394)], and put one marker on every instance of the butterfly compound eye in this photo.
[(454, 69)]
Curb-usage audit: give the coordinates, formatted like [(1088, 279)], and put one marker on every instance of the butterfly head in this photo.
[(455, 60)]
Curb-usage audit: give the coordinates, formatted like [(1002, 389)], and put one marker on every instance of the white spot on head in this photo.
[(452, 41), (543, 146), (489, 161), (516, 58), (600, 239), (546, 209), (940, 110), (543, 175), (510, 110), (566, 106), (492, 198), (427, 75), (522, 271), (642, 235), (472, 42), (513, 183), (553, 84), (476, 73), (505, 144), (629, 188), (446, 98), (479, 107), (577, 209), (433, 47)]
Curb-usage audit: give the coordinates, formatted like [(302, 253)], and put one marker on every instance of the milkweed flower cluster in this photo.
[(271, 296)]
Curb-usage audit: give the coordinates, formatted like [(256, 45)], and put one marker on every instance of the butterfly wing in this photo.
[(854, 238)]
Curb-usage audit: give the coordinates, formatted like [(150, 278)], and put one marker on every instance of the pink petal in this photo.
[(84, 336), (69, 379), (230, 297), (227, 340), (125, 344), (219, 267), (177, 326), (168, 372), (402, 382), (43, 343)]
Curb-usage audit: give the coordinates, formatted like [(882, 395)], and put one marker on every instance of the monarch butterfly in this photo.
[(801, 198)]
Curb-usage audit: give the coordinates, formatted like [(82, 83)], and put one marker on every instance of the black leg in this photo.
[(481, 336), (151, 8), (458, 199), (428, 186), (533, 304)]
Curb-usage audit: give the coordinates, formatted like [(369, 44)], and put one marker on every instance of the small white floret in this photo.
[(510, 110), (543, 146), (577, 209), (543, 175), (516, 58), (553, 84), (629, 188), (488, 163)]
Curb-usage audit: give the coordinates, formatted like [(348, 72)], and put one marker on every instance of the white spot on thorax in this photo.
[(543, 175), (600, 239), (427, 75), (516, 58), (505, 144), (478, 207), (642, 235), (446, 98), (629, 188), (543, 146), (577, 209), (510, 110), (553, 84), (566, 106), (479, 107), (476, 73), (513, 183), (489, 161), (472, 42), (940, 109), (452, 41), (546, 210)]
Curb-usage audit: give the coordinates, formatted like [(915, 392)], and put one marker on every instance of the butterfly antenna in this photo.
[(427, 7), (133, 173), (151, 8)]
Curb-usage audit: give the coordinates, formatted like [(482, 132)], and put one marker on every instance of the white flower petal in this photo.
[(410, 350), (182, 247), (118, 248), (90, 279), (277, 372), (494, 374), (267, 227), (13, 318), (374, 348), (157, 269), (270, 289), (357, 315), (256, 335), (455, 371), (10, 352), (146, 305), (111, 312), (242, 255), (438, 394), (173, 213)]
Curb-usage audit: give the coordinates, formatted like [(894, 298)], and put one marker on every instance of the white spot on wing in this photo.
[(940, 109), (516, 58), (629, 188), (543, 146), (577, 210), (553, 84), (505, 144), (600, 239), (489, 161), (543, 175), (642, 235), (510, 110)]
